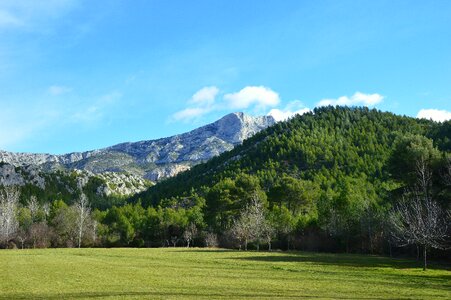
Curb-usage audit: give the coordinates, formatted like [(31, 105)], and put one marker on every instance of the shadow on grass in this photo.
[(413, 281), (351, 260)]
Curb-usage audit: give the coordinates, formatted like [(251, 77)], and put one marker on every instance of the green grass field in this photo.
[(202, 273)]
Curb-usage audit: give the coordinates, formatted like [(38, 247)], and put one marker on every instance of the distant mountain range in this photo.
[(149, 160)]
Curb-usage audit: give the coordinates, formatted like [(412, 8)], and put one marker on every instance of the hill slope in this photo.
[(345, 141), (327, 178)]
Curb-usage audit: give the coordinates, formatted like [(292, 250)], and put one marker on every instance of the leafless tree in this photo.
[(94, 231), (22, 236), (418, 219), (9, 200), (268, 233), (40, 234), (242, 230), (211, 240), (257, 220), (33, 206), (189, 234), (252, 224), (46, 209), (83, 213)]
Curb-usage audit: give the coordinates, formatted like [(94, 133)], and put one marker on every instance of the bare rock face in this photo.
[(166, 171), (10, 176), (153, 159)]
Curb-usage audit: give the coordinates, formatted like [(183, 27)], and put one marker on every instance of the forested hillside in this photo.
[(327, 179), (335, 179)]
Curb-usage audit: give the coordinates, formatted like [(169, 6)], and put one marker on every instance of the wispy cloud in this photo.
[(356, 99), (22, 122), (57, 90), (95, 111), (30, 13), (434, 114), (7, 19), (188, 114), (293, 108), (201, 103)]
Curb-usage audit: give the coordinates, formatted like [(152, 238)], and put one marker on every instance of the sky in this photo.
[(78, 75)]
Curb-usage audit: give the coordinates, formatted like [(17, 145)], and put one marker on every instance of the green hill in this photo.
[(334, 173)]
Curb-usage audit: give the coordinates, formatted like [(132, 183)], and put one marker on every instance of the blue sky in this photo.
[(77, 75)]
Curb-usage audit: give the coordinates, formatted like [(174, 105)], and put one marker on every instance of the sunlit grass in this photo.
[(201, 273)]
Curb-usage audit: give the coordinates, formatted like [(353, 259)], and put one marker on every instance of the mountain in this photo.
[(153, 159), (125, 168)]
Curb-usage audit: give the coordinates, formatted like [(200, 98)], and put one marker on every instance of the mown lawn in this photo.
[(202, 273)]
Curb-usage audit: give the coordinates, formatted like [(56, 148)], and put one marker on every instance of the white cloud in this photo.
[(356, 99), (57, 90), (434, 114), (293, 108), (201, 103), (205, 96), (260, 96), (204, 101), (259, 99), (282, 115)]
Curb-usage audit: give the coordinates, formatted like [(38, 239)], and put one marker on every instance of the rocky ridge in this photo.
[(135, 163)]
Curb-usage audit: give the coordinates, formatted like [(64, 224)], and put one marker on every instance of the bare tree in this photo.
[(94, 226), (8, 208), (211, 240), (418, 219), (251, 224), (83, 213), (46, 209), (242, 230), (33, 206), (268, 233), (40, 234), (190, 233), (22, 237), (257, 220)]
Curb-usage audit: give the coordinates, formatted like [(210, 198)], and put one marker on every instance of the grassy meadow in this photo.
[(174, 273)]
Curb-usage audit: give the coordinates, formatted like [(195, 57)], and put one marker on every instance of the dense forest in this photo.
[(334, 179)]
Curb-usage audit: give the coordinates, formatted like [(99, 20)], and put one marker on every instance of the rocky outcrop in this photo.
[(110, 183)]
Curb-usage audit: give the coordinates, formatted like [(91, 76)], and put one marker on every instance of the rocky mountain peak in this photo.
[(153, 159), (236, 127)]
